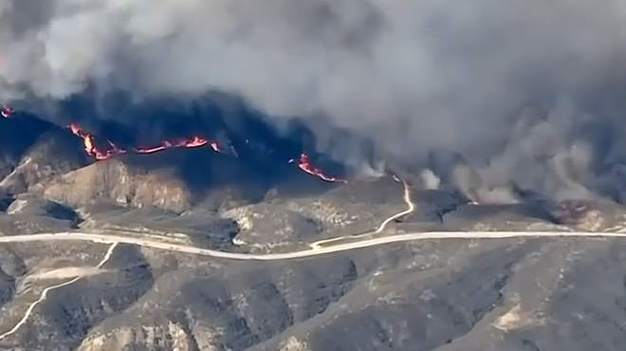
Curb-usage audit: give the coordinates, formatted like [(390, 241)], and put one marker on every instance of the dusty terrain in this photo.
[(133, 253)]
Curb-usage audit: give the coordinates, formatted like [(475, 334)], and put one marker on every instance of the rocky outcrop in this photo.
[(31, 205), (116, 181), (65, 316), (284, 218), (52, 155), (29, 213), (228, 309), (167, 336), (17, 135), (257, 221)]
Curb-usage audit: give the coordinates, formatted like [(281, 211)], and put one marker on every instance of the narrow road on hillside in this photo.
[(311, 252), (331, 246), (44, 294), (381, 228), (410, 208)]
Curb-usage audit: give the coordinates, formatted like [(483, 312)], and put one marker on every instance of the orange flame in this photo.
[(90, 145), (103, 154), (193, 142), (304, 163)]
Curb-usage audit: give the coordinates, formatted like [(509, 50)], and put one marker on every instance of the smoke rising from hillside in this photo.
[(531, 94)]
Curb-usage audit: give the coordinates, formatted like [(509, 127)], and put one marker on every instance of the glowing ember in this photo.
[(181, 143), (6, 111), (90, 145), (304, 163), (102, 154)]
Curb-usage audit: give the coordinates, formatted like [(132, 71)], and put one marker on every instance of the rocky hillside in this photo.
[(117, 181), (510, 294), (53, 154), (500, 295)]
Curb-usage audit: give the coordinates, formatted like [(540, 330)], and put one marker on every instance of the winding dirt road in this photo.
[(311, 252), (323, 247), (410, 208), (114, 240), (381, 228), (44, 294)]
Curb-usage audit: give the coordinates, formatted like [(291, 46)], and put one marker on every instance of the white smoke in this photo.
[(413, 76), (429, 180)]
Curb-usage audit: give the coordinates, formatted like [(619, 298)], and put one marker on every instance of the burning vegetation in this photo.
[(112, 150), (305, 164), (90, 145), (189, 143), (105, 151)]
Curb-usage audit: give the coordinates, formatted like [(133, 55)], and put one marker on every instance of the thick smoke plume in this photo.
[(526, 95)]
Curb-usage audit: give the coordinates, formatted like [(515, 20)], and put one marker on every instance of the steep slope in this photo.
[(52, 154), (117, 181)]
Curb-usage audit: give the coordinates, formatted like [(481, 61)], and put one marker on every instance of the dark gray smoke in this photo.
[(529, 93)]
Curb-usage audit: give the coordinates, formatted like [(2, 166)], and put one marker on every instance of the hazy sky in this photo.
[(524, 90)]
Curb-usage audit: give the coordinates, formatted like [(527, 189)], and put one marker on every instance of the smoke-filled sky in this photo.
[(531, 92)]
